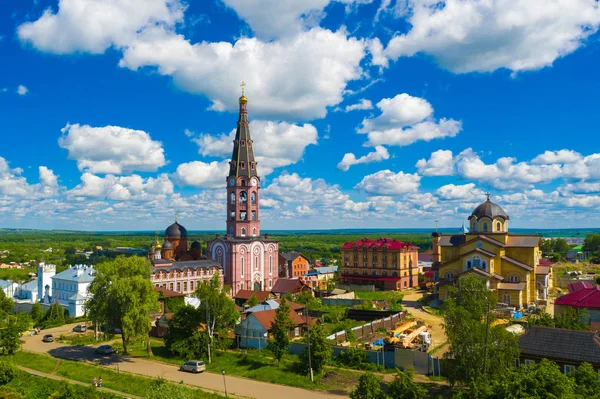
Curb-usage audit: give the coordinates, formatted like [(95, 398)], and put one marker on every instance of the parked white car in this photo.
[(193, 366)]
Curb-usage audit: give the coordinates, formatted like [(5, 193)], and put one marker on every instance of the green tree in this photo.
[(465, 314), (252, 301), (184, 338), (280, 331), (591, 243), (351, 335), (543, 319), (6, 303), (8, 372), (570, 318), (354, 357), (560, 246), (217, 310), (37, 313), (161, 389), (10, 336), (123, 297), (320, 349), (586, 380), (369, 387), (403, 387), (54, 317)]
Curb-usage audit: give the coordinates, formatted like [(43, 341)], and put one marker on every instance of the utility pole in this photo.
[(308, 342), (487, 330)]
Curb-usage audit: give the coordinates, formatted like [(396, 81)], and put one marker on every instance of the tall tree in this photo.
[(252, 301), (217, 310), (467, 321), (6, 303), (123, 297), (591, 243), (280, 331), (37, 313), (184, 338), (320, 349)]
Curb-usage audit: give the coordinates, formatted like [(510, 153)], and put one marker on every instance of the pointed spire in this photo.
[(243, 162)]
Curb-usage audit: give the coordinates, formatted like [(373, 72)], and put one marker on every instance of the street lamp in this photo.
[(224, 383)]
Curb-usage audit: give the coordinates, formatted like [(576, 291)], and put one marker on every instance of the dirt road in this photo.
[(438, 335)]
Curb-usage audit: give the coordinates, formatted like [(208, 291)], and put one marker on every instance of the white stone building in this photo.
[(70, 289)]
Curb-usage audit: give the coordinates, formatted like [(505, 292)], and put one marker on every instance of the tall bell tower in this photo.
[(243, 182)]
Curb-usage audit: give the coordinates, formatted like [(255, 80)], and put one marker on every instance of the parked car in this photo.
[(48, 338), (193, 366), (105, 350), (80, 328)]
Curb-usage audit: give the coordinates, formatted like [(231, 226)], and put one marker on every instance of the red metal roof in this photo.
[(388, 242), (583, 298), (580, 285), (266, 318), (544, 262), (246, 294)]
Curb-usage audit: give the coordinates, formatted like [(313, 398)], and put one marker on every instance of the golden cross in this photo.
[(243, 85)]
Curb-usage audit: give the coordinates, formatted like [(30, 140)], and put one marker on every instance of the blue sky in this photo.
[(365, 113)]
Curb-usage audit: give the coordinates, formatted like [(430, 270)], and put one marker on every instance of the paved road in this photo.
[(214, 382), (438, 335)]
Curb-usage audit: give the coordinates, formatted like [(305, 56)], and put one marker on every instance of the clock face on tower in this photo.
[(231, 181), (254, 182)]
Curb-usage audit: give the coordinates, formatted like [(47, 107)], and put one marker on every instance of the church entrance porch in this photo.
[(256, 286)]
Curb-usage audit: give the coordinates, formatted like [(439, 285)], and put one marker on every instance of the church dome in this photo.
[(167, 245), (490, 210), (195, 245), (176, 231)]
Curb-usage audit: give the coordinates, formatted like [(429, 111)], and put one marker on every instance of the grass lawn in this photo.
[(80, 371), (380, 295)]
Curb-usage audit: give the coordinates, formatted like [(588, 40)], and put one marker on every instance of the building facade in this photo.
[(249, 261), (384, 263), (511, 263), (70, 289), (185, 276), (293, 265)]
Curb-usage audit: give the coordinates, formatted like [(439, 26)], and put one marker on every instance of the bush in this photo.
[(354, 357), (8, 372)]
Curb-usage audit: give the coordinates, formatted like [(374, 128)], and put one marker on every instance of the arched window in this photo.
[(485, 226), (270, 265), (253, 197), (232, 215), (231, 228), (256, 262), (243, 197), (243, 215), (253, 230), (476, 261), (253, 217), (449, 276), (513, 278), (498, 226), (243, 232), (469, 264), (232, 198), (242, 267)]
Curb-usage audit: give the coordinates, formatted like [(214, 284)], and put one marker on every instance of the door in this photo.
[(506, 298), (257, 286)]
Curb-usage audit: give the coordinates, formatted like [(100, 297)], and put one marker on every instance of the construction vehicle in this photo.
[(394, 335), (407, 341)]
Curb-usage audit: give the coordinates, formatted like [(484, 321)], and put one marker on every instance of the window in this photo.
[(232, 215), (171, 286), (513, 278), (405, 283), (243, 166), (476, 261), (243, 143), (254, 232), (485, 227), (253, 198), (242, 267), (469, 265), (178, 287), (498, 227), (252, 165), (232, 198), (243, 197), (270, 266), (483, 265), (256, 262), (527, 362), (185, 286), (569, 368), (243, 232), (506, 298), (243, 215), (253, 215), (231, 228), (449, 276), (243, 181)]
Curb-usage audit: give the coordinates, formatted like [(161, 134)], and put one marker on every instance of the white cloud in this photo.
[(439, 164), (557, 157), (14, 185), (397, 112), (122, 188), (362, 105), (580, 188), (22, 90), (111, 149), (380, 154), (386, 182), (297, 77), (202, 174), (405, 119), (467, 36), (466, 192), (583, 201), (92, 26), (279, 144), (424, 131)]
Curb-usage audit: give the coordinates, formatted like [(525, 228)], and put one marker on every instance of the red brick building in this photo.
[(384, 263)]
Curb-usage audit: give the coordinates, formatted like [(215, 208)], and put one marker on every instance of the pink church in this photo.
[(249, 261)]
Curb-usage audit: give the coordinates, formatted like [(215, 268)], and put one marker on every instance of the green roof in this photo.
[(577, 248)]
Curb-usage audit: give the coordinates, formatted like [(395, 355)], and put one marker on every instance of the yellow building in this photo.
[(509, 262)]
